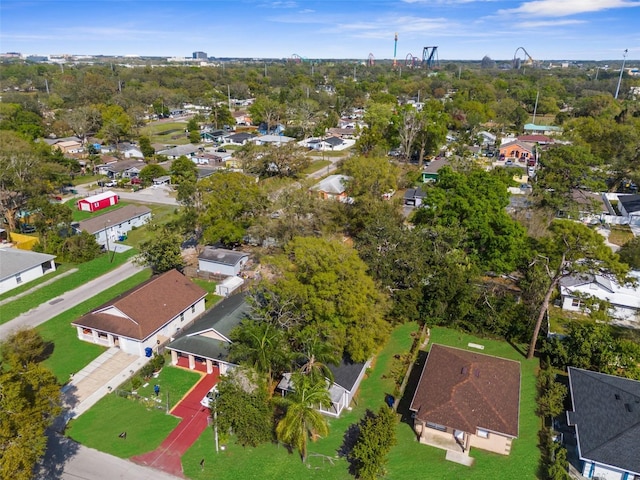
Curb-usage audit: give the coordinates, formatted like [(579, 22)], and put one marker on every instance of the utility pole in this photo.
[(535, 108), (624, 59)]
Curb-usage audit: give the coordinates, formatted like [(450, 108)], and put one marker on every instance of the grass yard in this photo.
[(523, 461), (174, 381), (171, 133), (315, 166), (620, 234), (100, 426), (86, 271), (211, 299), (275, 462), (160, 215), (69, 353)]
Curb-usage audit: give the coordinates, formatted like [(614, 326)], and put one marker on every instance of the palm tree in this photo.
[(317, 354), (261, 346), (302, 420)]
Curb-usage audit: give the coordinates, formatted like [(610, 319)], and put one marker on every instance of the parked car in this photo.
[(508, 163), (136, 181), (209, 397), (26, 228), (221, 149)]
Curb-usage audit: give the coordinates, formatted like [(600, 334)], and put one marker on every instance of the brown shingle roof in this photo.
[(468, 390), (145, 309)]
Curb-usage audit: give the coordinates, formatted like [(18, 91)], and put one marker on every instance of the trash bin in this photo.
[(148, 351)]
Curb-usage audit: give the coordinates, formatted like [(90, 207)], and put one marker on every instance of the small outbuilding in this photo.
[(220, 261), (98, 202)]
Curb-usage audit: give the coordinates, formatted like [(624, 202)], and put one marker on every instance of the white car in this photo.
[(209, 397)]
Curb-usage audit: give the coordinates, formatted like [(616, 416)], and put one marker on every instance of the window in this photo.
[(435, 426), (575, 302), (482, 433), (182, 317), (193, 309), (18, 279)]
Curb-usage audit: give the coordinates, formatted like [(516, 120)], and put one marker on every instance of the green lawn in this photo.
[(522, 463), (161, 214), (275, 462), (174, 381), (100, 426), (315, 166), (170, 133), (86, 271), (408, 459), (70, 354), (211, 299)]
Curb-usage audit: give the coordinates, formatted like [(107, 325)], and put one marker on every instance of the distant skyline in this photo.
[(462, 29)]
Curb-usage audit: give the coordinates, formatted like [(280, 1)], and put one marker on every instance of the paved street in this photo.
[(66, 460), (52, 308)]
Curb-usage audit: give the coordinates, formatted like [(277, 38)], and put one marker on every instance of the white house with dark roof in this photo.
[(205, 345), (22, 266), (630, 207), (179, 151), (346, 380), (220, 261), (606, 417)]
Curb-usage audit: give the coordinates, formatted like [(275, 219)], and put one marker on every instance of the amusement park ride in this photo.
[(517, 62)]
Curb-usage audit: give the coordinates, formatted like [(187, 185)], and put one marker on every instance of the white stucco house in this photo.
[(221, 261), (21, 266), (145, 316), (110, 226), (624, 300)]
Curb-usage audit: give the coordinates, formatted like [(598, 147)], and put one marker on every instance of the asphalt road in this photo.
[(66, 460), (56, 306)]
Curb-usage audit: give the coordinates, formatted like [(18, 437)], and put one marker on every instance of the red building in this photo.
[(98, 202)]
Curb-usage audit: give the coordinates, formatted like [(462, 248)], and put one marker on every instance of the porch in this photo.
[(191, 362)]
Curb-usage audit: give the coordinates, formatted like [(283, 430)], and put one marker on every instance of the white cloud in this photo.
[(563, 8), (548, 23)]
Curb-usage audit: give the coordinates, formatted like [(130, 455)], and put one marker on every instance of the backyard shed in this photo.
[(98, 202)]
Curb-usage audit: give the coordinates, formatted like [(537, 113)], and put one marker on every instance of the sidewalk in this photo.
[(70, 299)]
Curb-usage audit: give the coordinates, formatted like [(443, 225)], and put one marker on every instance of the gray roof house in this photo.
[(630, 207), (21, 266), (606, 418), (346, 380), (207, 340), (111, 225), (221, 261), (176, 152)]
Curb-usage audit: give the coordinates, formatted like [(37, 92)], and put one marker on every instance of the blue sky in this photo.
[(462, 29)]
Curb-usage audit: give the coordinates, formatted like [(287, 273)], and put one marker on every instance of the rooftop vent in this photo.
[(617, 396), (627, 407)]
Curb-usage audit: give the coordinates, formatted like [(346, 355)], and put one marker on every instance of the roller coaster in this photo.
[(517, 62), (410, 61), (430, 57)]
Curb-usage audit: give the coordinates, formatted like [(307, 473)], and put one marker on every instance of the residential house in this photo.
[(536, 139), (517, 149), (21, 266), (132, 151), (162, 180), (430, 171), (97, 202), (238, 138), (333, 187), (346, 380), (343, 133), (533, 129), (414, 197), (205, 345), (623, 300), (110, 226), (487, 139), (125, 169), (145, 316), (630, 207), (221, 261), (589, 207), (69, 146), (606, 417), (241, 118), (467, 399), (271, 139), (324, 144), (179, 151)]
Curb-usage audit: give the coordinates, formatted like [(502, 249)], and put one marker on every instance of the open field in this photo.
[(86, 271), (620, 234), (169, 133), (315, 166), (160, 215)]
